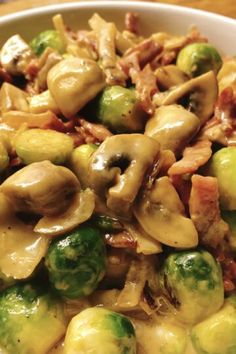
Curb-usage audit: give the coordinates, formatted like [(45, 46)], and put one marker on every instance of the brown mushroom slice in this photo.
[(118, 167), (41, 188), (80, 210), (21, 249), (73, 82), (15, 55), (198, 95), (160, 212), (173, 127), (169, 76), (12, 99)]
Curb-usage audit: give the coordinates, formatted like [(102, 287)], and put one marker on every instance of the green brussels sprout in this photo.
[(100, 331), (217, 334), (173, 339), (35, 145), (79, 162), (197, 58), (230, 218), (49, 38), (192, 280), (31, 320), (76, 262), (118, 108), (223, 166)]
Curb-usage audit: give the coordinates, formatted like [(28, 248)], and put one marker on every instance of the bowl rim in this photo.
[(116, 4)]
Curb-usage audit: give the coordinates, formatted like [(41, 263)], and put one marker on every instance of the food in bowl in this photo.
[(117, 192)]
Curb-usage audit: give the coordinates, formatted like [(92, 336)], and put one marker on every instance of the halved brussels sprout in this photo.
[(118, 108), (48, 38), (31, 320), (223, 166), (217, 334), (76, 262), (197, 58), (192, 280), (100, 331), (36, 145)]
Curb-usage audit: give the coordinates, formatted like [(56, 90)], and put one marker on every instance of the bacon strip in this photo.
[(132, 22), (205, 212), (194, 157)]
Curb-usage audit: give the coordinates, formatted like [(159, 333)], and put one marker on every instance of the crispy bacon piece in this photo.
[(205, 212), (98, 131), (146, 87), (228, 265), (121, 239), (194, 157), (222, 127), (132, 22)]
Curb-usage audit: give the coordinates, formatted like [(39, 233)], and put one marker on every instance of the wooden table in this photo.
[(223, 7)]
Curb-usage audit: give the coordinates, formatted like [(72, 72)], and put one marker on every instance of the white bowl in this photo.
[(218, 29)]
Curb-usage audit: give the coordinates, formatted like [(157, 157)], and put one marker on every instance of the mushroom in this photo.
[(21, 249), (41, 188), (173, 127), (198, 95), (15, 55), (79, 211), (118, 168), (160, 212), (12, 99), (169, 76), (73, 82)]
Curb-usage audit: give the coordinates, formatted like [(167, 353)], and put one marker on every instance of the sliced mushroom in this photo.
[(15, 55), (160, 212), (21, 249), (43, 102), (41, 188), (118, 167), (73, 82), (12, 99), (173, 127), (198, 95), (80, 210), (169, 76)]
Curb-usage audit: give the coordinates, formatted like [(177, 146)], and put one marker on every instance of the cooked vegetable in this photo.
[(216, 335), (76, 262), (15, 55), (173, 127), (80, 161), (41, 188), (192, 281), (73, 82), (4, 158), (230, 217), (49, 38), (197, 58), (12, 99), (100, 331), (31, 319), (160, 212), (223, 166), (118, 168), (36, 145), (119, 109)]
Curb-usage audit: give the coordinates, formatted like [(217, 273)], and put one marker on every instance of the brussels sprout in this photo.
[(223, 166), (36, 145), (49, 38), (106, 223), (119, 109), (100, 331), (192, 280), (197, 58), (79, 162), (230, 218), (217, 334), (31, 320), (76, 262)]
